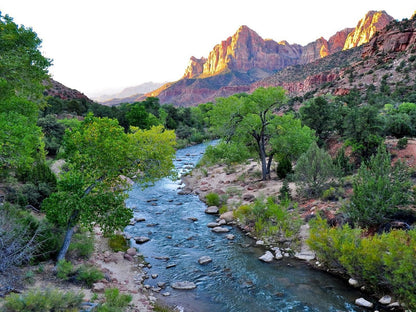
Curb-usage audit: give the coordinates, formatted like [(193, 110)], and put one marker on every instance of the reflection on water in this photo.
[(235, 280)]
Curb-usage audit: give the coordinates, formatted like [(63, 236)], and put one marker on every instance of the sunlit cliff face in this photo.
[(366, 28)]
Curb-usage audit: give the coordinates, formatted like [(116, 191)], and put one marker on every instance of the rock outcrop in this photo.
[(57, 89), (367, 28), (244, 61)]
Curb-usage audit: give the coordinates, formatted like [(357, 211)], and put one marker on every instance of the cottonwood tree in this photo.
[(248, 121), (100, 157)]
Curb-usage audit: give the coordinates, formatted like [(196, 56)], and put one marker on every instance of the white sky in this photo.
[(99, 45)]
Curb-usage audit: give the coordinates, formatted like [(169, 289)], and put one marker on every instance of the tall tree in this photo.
[(248, 120), (100, 157), (22, 72)]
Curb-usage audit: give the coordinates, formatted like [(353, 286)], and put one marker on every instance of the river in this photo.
[(235, 280)]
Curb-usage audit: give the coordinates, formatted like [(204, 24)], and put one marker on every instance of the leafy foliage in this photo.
[(313, 171), (270, 219), (379, 189), (114, 301), (89, 275), (383, 262), (43, 301), (99, 156), (117, 243)]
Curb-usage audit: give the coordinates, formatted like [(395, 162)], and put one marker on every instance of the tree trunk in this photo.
[(262, 154), (269, 164), (67, 241)]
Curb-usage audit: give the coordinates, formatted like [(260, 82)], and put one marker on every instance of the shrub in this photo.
[(284, 192), (82, 245), (114, 301), (64, 269), (43, 301), (212, 199), (88, 274), (379, 188), (313, 171), (383, 261), (284, 167), (402, 143), (117, 243)]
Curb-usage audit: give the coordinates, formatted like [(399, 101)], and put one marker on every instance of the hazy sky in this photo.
[(99, 45)]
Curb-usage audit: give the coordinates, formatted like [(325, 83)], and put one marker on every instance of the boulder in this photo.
[(212, 210), (131, 251), (141, 239), (230, 236), (385, 300), (98, 287), (353, 282), (128, 257), (361, 302), (185, 285), (204, 260), (212, 224), (278, 254), (267, 257), (227, 216), (305, 255), (220, 229), (249, 197)]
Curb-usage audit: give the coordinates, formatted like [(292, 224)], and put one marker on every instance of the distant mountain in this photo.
[(57, 89), (239, 62), (127, 95)]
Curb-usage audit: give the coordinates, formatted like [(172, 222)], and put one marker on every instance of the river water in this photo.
[(235, 281)]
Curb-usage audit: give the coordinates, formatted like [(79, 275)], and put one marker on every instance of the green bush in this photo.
[(114, 301), (49, 300), (117, 243), (284, 192), (379, 189), (89, 275), (213, 199), (382, 262), (284, 167), (402, 143), (64, 269), (270, 218), (313, 171), (82, 245)]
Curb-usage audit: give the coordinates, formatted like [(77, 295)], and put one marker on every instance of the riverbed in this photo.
[(235, 280)]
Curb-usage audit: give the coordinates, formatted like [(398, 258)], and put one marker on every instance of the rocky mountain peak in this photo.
[(366, 28)]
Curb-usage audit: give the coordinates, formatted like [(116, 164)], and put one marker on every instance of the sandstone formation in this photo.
[(367, 28), (241, 61)]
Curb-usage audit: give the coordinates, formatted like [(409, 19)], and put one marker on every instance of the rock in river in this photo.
[(141, 239), (183, 285), (212, 210), (220, 229), (361, 302), (204, 260), (267, 257)]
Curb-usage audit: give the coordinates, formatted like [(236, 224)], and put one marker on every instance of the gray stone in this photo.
[(185, 285), (131, 251), (204, 260), (353, 282), (267, 257), (220, 229), (161, 284), (154, 276), (141, 239), (212, 210), (249, 197), (230, 236), (385, 300), (260, 242), (98, 287), (171, 265), (166, 294), (128, 257), (278, 254), (212, 224), (361, 302), (227, 216), (222, 222), (394, 305)]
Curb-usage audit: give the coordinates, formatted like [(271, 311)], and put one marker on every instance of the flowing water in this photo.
[(235, 280)]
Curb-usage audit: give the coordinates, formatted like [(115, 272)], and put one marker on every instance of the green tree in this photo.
[(248, 120), (313, 171), (100, 157), (379, 189), (22, 72), (319, 114)]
